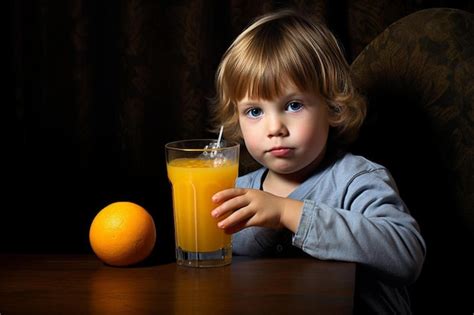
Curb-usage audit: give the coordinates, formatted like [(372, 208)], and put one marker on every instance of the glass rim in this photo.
[(173, 145)]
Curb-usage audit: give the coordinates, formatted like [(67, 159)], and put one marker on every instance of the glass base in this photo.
[(218, 258)]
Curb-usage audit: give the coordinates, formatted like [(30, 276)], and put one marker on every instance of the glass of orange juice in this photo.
[(197, 169)]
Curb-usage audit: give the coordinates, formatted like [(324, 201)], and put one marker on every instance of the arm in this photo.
[(371, 226), (364, 222)]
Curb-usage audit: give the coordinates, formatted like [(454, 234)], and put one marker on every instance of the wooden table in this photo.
[(81, 284)]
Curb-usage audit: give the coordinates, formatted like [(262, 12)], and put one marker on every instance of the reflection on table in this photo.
[(81, 284)]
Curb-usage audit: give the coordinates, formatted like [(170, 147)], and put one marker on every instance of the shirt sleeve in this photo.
[(372, 227), (258, 241)]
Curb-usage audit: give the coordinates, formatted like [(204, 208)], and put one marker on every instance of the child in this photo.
[(285, 88)]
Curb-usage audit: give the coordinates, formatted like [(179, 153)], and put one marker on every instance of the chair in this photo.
[(418, 77)]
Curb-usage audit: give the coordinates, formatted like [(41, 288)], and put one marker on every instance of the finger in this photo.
[(227, 194), (230, 206), (240, 217)]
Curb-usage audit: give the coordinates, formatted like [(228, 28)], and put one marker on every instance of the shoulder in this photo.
[(352, 178), (358, 171), (350, 167)]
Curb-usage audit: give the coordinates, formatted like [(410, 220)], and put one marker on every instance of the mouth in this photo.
[(280, 151)]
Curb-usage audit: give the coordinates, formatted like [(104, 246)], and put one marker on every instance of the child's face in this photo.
[(286, 134)]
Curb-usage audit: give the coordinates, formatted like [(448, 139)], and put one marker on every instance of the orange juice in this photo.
[(194, 181)]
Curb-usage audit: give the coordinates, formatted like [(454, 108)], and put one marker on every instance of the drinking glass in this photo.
[(197, 169)]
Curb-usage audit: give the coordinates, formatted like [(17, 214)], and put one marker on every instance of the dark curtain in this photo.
[(96, 88)]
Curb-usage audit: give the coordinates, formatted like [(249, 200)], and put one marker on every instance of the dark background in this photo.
[(94, 89)]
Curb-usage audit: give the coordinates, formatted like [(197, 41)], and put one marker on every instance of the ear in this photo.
[(333, 122), (334, 115)]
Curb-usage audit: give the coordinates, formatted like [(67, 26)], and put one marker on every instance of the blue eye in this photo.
[(254, 112), (294, 106)]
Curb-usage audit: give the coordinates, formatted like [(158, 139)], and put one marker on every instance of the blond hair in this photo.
[(287, 47)]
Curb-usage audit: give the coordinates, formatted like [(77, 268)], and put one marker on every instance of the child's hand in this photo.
[(241, 208)]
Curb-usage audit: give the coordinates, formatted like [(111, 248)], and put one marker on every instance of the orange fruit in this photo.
[(122, 234)]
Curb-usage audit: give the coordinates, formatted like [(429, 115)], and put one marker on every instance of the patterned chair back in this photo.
[(418, 77)]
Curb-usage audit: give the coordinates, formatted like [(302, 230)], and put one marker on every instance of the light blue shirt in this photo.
[(352, 212)]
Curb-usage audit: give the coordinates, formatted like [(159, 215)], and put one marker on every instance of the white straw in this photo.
[(220, 137)]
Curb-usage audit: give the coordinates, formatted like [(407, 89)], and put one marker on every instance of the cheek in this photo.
[(314, 134), (251, 140), (249, 135)]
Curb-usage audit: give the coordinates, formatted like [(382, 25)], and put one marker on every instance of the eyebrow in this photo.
[(285, 97), (294, 95)]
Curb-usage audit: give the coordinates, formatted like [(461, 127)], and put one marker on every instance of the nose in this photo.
[(276, 127)]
